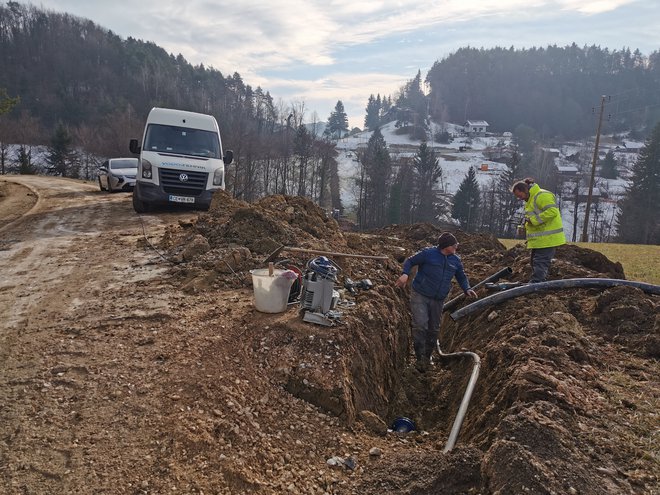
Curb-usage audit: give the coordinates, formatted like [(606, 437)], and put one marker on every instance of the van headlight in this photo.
[(219, 177), (146, 169)]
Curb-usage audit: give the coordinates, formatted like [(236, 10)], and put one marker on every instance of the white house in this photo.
[(475, 127)]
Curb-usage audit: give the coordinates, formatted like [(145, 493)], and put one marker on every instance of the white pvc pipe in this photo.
[(462, 410)]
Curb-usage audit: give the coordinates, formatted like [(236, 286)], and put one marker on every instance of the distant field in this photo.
[(640, 262)]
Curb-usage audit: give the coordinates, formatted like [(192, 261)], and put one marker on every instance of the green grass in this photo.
[(640, 262)]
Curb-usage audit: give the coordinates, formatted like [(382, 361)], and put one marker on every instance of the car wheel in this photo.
[(101, 185), (138, 205)]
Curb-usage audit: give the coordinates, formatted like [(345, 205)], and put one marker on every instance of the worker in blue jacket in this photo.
[(436, 267)]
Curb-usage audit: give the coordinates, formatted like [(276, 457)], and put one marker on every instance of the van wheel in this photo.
[(138, 205)]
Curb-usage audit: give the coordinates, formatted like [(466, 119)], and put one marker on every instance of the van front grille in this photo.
[(182, 182)]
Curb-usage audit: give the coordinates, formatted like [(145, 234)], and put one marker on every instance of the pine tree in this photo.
[(608, 167), (638, 219), (24, 159), (375, 186), (525, 138), (412, 104), (413, 98), (467, 201), (59, 152), (372, 119), (337, 122), (427, 173)]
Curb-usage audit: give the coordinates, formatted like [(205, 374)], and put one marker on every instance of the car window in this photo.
[(115, 164)]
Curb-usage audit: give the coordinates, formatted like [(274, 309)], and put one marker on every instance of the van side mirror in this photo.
[(228, 157), (134, 146)]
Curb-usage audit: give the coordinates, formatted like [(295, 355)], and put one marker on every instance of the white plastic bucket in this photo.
[(271, 293)]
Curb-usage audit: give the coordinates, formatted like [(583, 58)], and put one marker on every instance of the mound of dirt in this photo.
[(551, 412)]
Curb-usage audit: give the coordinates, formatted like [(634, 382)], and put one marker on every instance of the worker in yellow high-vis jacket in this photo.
[(543, 227)]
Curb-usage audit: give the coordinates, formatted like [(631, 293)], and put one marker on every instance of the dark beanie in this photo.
[(446, 239)]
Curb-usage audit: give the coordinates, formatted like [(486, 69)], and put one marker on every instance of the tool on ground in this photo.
[(351, 286), (319, 298), (290, 249)]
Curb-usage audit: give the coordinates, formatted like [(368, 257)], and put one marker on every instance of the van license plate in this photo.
[(181, 199)]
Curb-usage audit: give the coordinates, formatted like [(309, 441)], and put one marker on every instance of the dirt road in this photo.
[(70, 271)]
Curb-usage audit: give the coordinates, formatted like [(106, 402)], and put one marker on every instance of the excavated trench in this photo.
[(535, 408), (534, 422)]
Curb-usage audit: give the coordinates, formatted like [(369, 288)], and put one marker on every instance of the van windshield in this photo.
[(182, 141)]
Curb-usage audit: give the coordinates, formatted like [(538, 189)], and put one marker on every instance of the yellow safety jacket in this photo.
[(544, 228)]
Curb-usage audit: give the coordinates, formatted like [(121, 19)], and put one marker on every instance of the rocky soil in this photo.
[(132, 360)]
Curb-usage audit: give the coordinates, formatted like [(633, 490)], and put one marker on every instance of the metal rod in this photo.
[(569, 283), (462, 410)]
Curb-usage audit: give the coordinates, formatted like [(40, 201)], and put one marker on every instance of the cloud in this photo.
[(322, 51), (353, 89)]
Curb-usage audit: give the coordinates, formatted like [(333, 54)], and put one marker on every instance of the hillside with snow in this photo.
[(464, 152)]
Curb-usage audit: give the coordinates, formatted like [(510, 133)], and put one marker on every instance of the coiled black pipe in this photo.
[(504, 272), (569, 283)]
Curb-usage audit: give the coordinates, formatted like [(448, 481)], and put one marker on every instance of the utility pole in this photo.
[(585, 226)]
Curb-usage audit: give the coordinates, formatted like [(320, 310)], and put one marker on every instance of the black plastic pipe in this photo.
[(504, 272), (569, 283)]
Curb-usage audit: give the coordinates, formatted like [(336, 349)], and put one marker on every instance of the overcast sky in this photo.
[(318, 52)]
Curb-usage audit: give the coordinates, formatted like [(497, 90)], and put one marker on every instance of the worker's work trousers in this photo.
[(426, 317), (540, 260)]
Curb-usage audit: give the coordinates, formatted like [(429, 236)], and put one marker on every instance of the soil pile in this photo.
[(566, 401)]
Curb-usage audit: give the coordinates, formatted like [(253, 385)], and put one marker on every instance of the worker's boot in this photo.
[(422, 365)]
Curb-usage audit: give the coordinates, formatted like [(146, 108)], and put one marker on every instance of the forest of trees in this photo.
[(83, 92), (553, 90)]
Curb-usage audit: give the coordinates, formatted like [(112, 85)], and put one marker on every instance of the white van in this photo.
[(181, 160)]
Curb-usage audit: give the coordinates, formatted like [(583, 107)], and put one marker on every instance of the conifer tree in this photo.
[(412, 96), (638, 218), (427, 173), (337, 122), (24, 159), (467, 201), (372, 119), (59, 152), (608, 167), (375, 187)]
